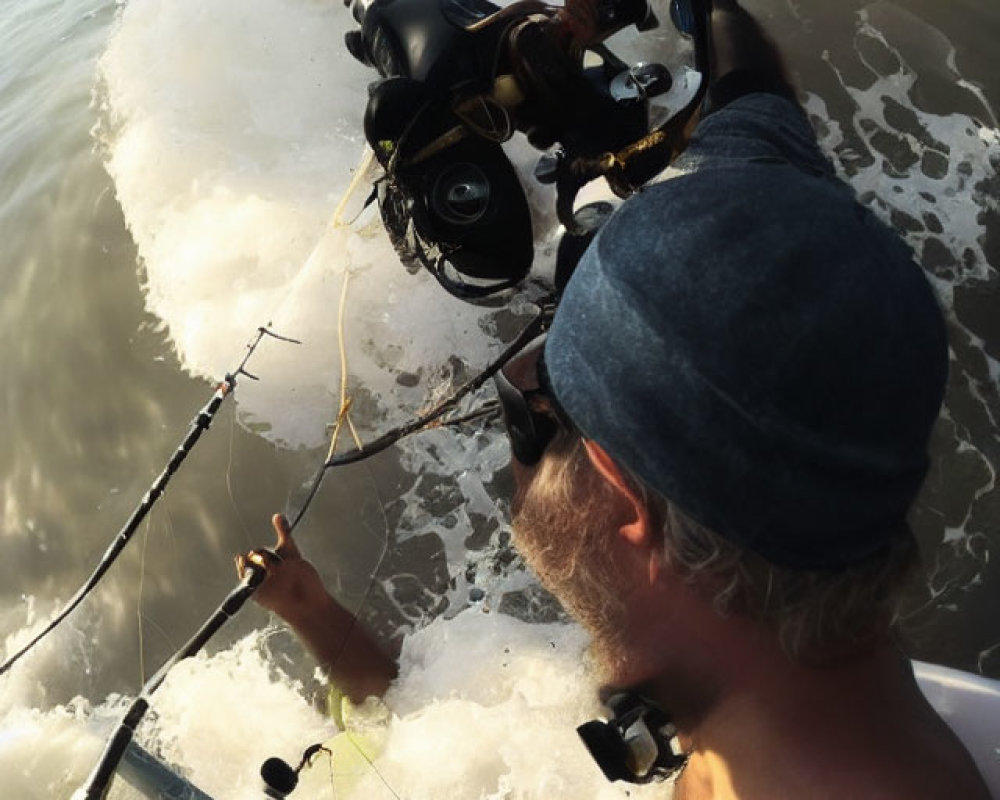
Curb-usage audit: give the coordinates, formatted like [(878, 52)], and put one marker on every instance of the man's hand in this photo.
[(292, 587)]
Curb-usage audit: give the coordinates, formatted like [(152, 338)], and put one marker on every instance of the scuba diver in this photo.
[(715, 450)]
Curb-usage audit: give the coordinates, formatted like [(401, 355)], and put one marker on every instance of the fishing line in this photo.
[(199, 425), (343, 414), (168, 524), (333, 783), (138, 603), (229, 479), (433, 418), (100, 778), (361, 172), (370, 763), (156, 626)]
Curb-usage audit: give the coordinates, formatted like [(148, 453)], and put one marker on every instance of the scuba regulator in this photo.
[(460, 77)]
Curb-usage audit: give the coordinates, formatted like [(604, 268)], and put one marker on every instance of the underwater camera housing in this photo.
[(459, 77)]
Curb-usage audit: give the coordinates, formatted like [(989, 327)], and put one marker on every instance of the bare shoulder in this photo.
[(898, 749), (919, 761), (928, 762)]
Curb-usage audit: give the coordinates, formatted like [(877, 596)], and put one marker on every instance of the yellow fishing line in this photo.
[(344, 400), (371, 763), (343, 414), (367, 158)]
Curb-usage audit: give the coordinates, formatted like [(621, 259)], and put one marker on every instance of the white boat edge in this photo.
[(970, 704)]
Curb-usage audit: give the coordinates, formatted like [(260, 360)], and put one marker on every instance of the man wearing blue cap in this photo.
[(716, 448)]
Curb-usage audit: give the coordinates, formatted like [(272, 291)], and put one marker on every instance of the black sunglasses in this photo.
[(531, 431)]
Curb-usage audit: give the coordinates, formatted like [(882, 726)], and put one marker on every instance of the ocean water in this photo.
[(171, 178)]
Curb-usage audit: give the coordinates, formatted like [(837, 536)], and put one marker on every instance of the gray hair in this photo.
[(818, 615)]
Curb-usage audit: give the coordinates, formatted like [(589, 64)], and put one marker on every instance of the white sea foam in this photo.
[(928, 174), (485, 707), (232, 131)]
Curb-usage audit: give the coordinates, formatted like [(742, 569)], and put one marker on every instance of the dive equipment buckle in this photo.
[(638, 744)]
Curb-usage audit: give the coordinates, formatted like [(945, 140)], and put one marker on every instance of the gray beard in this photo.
[(563, 543)]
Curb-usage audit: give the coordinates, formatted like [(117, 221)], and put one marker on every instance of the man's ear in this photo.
[(639, 530)]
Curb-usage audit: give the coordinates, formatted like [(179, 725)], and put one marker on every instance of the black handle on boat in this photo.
[(97, 784)]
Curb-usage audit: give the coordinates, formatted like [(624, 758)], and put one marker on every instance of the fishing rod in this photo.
[(199, 425), (255, 571), (97, 784), (432, 418)]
